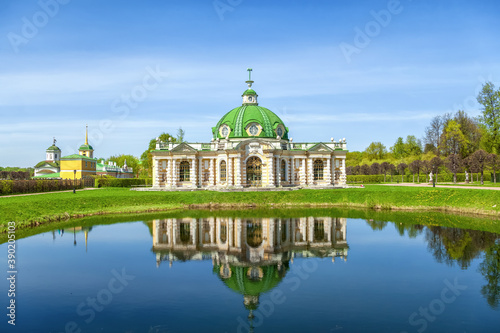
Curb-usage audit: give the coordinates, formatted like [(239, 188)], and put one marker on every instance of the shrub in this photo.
[(122, 182)]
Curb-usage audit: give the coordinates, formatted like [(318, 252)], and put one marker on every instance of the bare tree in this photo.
[(426, 168), (480, 158), (494, 164), (436, 163), (401, 169), (433, 133), (454, 164)]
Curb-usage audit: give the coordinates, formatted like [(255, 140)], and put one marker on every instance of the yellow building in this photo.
[(81, 165)]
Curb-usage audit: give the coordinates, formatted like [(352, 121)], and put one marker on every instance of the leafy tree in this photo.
[(454, 164), (401, 169), (132, 162), (399, 149), (489, 98), (471, 131), (147, 159), (415, 169), (452, 139), (180, 135), (384, 167), (480, 159), (356, 170), (426, 169), (365, 169), (376, 151), (375, 168), (413, 146), (494, 164)]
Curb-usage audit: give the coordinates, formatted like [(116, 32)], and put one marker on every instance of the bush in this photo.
[(41, 185), (122, 182)]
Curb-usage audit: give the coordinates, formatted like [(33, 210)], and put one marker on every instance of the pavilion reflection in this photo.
[(251, 256)]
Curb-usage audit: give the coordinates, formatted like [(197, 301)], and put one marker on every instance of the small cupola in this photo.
[(249, 95)]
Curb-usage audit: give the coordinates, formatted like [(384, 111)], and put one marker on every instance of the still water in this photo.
[(213, 273)]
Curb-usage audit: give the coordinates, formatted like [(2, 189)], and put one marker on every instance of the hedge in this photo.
[(40, 185), (408, 178), (122, 182)]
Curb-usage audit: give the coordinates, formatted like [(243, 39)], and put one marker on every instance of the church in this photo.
[(250, 147)]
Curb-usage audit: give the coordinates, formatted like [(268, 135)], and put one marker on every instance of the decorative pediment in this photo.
[(320, 147), (184, 147)]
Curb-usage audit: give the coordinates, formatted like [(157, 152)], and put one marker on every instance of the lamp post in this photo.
[(74, 181)]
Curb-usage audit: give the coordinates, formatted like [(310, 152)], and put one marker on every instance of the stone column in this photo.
[(229, 171), (200, 168), (212, 230), (174, 172), (168, 182), (302, 172), (328, 176), (278, 171), (193, 172), (310, 171), (212, 172), (237, 171), (270, 171), (217, 171), (343, 176)]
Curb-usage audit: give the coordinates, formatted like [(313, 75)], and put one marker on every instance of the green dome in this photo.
[(86, 147), (249, 92), (241, 118), (53, 148)]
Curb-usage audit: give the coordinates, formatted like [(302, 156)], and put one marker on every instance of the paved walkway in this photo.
[(446, 186), (22, 195)]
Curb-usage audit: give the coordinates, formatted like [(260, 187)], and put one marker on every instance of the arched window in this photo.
[(283, 171), (318, 170), (184, 171), (223, 171)]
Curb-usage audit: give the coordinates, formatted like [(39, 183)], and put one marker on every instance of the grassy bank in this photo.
[(39, 209)]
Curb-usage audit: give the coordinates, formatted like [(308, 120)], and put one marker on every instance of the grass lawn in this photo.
[(37, 209)]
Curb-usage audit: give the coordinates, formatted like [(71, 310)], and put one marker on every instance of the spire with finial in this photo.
[(54, 142), (249, 82), (86, 134)]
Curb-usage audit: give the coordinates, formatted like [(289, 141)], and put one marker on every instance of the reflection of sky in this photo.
[(385, 278)]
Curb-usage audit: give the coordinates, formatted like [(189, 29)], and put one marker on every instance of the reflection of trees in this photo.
[(490, 269), (377, 225), (412, 230), (450, 245)]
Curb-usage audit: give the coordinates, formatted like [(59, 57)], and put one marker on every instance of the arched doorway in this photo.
[(254, 171)]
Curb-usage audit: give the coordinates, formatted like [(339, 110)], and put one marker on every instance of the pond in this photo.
[(309, 271)]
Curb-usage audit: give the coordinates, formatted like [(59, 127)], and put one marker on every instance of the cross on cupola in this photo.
[(249, 96)]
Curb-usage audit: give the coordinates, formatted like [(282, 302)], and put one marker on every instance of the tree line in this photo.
[(456, 142)]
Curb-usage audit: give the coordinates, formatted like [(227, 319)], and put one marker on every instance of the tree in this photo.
[(436, 163), (391, 168), (494, 164), (490, 269), (415, 169), (365, 169), (426, 169), (375, 168), (480, 158), (384, 167), (376, 151), (180, 135), (413, 146), (401, 169), (399, 149), (146, 158), (471, 131), (454, 164), (132, 162), (433, 134), (452, 139), (489, 98)]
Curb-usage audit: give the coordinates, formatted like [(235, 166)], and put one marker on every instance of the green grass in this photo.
[(38, 209)]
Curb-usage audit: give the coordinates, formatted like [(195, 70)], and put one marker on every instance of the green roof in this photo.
[(239, 118), (86, 147), (49, 175), (249, 92), (53, 147), (76, 156), (52, 164)]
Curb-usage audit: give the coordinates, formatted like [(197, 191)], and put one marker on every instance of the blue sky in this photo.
[(79, 64)]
